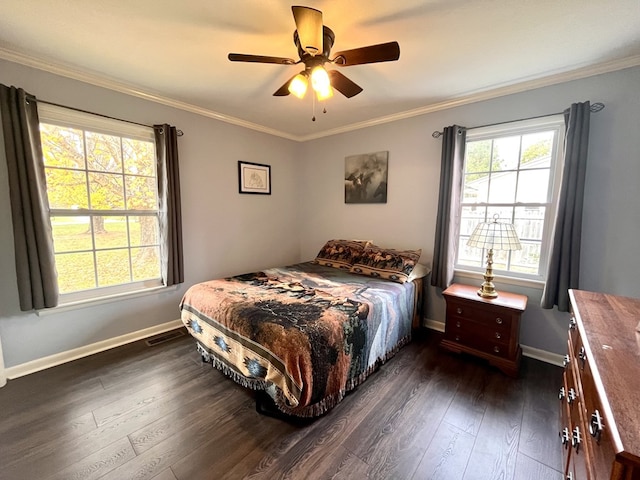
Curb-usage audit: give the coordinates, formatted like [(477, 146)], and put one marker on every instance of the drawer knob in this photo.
[(457, 338), (596, 426), (562, 394), (566, 361), (582, 355), (458, 324), (499, 321), (498, 336), (564, 437), (576, 439), (570, 476), (573, 323), (571, 396), (496, 349), (459, 310)]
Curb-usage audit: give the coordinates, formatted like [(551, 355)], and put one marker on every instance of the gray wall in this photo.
[(224, 232), (227, 233), (611, 226)]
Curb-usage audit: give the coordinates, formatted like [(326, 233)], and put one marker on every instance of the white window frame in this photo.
[(55, 115), (523, 127)]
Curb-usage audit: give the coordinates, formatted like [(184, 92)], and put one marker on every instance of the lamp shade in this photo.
[(495, 235)]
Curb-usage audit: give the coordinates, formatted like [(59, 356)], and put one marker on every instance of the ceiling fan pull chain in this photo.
[(313, 100)]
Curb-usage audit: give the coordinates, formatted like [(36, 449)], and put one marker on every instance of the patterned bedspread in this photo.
[(306, 333)]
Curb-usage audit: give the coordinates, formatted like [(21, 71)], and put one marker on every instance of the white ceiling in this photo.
[(451, 51)]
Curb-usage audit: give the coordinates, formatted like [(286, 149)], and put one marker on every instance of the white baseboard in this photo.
[(531, 352), (64, 357)]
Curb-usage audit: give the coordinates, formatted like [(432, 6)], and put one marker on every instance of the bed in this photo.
[(308, 333)]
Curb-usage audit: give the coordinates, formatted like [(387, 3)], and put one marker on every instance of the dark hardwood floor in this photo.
[(158, 412)]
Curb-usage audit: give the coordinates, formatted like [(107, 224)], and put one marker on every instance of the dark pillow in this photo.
[(378, 262), (341, 253)]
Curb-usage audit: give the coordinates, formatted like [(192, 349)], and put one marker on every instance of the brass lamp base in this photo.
[(488, 290)]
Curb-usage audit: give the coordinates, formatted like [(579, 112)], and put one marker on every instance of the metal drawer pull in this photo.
[(582, 356), (499, 321), (571, 396), (576, 439), (596, 426), (496, 349), (458, 310), (498, 336), (570, 476), (457, 338), (458, 324), (566, 361), (562, 393), (564, 437), (573, 323)]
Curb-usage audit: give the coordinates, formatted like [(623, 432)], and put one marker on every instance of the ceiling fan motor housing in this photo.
[(328, 37)]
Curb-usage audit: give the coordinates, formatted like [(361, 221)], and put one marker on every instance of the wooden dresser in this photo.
[(600, 398), (486, 327)]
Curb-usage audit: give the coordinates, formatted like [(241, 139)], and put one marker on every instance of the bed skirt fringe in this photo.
[(279, 399)]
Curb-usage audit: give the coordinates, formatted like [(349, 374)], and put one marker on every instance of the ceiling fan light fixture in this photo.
[(325, 93), (298, 86), (320, 79)]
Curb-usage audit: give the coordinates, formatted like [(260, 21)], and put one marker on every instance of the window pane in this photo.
[(533, 186), (469, 256), (103, 152), (500, 259), (139, 157), (145, 263), (503, 187), (75, 272), (107, 192), (506, 153), (529, 222), (71, 234), (536, 150), (62, 146), (526, 260), (476, 188), (110, 232), (143, 231), (141, 193), (478, 156), (471, 216), (66, 188), (113, 267)]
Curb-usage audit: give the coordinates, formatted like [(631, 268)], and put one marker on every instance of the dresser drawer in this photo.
[(463, 326)]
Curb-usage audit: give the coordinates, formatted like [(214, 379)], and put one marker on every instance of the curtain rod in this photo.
[(179, 132), (595, 107)]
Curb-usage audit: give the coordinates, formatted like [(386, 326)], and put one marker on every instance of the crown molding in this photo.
[(111, 84), (488, 93)]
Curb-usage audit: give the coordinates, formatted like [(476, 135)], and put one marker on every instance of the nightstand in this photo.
[(485, 327)]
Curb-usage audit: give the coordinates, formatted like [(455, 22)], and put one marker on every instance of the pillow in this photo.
[(395, 265), (341, 253)]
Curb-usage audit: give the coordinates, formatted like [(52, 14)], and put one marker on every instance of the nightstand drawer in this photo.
[(479, 343), (486, 316)]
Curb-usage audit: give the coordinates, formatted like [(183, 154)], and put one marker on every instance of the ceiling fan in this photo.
[(314, 41)]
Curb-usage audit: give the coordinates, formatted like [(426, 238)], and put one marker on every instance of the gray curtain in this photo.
[(448, 221), (564, 265), (170, 212), (35, 263)]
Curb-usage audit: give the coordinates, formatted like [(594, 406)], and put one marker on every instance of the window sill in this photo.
[(92, 302), (521, 282)]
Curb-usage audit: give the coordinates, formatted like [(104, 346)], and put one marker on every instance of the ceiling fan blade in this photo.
[(309, 27), (383, 52), (240, 57), (283, 91), (345, 86)]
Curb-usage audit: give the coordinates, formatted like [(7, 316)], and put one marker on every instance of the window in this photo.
[(103, 197), (513, 171)]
